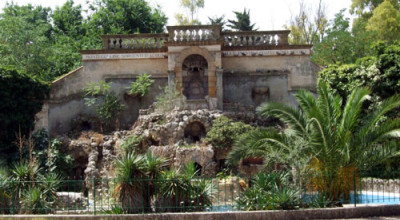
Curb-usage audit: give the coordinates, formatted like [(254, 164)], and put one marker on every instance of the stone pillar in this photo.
[(220, 88), (171, 80)]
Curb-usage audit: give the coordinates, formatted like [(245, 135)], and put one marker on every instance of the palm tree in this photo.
[(337, 139), (242, 22)]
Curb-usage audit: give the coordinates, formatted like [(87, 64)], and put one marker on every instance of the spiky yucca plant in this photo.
[(129, 187), (336, 136)]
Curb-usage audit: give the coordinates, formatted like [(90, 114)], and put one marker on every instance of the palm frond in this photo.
[(352, 109), (292, 116), (386, 106)]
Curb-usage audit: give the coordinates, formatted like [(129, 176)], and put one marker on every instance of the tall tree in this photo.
[(385, 21), (308, 26), (218, 21), (361, 7), (341, 44), (242, 22), (125, 16), (26, 38), (68, 20), (193, 7)]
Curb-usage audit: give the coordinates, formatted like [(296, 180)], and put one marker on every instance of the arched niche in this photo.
[(211, 68), (195, 77)]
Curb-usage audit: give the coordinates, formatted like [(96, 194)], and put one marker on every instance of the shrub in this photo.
[(34, 202), (169, 100), (225, 131), (141, 86), (270, 191), (179, 191), (132, 144), (107, 104)]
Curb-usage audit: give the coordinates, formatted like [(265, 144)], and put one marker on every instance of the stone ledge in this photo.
[(327, 213)]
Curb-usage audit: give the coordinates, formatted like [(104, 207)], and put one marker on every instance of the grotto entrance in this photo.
[(194, 132), (198, 168), (195, 80)]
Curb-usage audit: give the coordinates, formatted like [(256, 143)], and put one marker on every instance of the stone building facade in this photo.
[(215, 70)]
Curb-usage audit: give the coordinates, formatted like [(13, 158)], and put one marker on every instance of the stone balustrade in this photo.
[(255, 38), (134, 41), (194, 33), (178, 35)]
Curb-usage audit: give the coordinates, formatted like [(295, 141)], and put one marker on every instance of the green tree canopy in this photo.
[(366, 6), (242, 22), (385, 21), (379, 72), (125, 17)]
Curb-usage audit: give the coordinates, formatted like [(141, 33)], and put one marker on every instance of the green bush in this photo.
[(141, 86), (107, 104), (180, 191), (270, 191), (225, 131), (132, 144)]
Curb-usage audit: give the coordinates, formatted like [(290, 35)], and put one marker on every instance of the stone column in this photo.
[(220, 88), (171, 80)]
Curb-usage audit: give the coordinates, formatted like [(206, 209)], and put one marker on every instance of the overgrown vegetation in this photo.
[(143, 185), (106, 103), (22, 97), (140, 87), (27, 186), (225, 131), (271, 191), (132, 144), (168, 100)]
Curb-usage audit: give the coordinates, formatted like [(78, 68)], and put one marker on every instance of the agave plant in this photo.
[(49, 184), (180, 191), (34, 202), (270, 191), (339, 139)]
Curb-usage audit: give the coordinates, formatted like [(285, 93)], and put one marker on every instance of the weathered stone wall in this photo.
[(246, 80), (66, 98), (253, 80)]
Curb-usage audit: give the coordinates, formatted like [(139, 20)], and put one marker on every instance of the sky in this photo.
[(267, 14)]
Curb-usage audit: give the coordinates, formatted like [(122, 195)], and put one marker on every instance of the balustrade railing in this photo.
[(255, 38), (196, 33), (135, 41)]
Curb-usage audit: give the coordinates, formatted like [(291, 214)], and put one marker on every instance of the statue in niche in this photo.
[(195, 81), (195, 88)]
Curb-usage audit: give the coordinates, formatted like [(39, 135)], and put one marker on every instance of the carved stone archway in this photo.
[(211, 67)]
